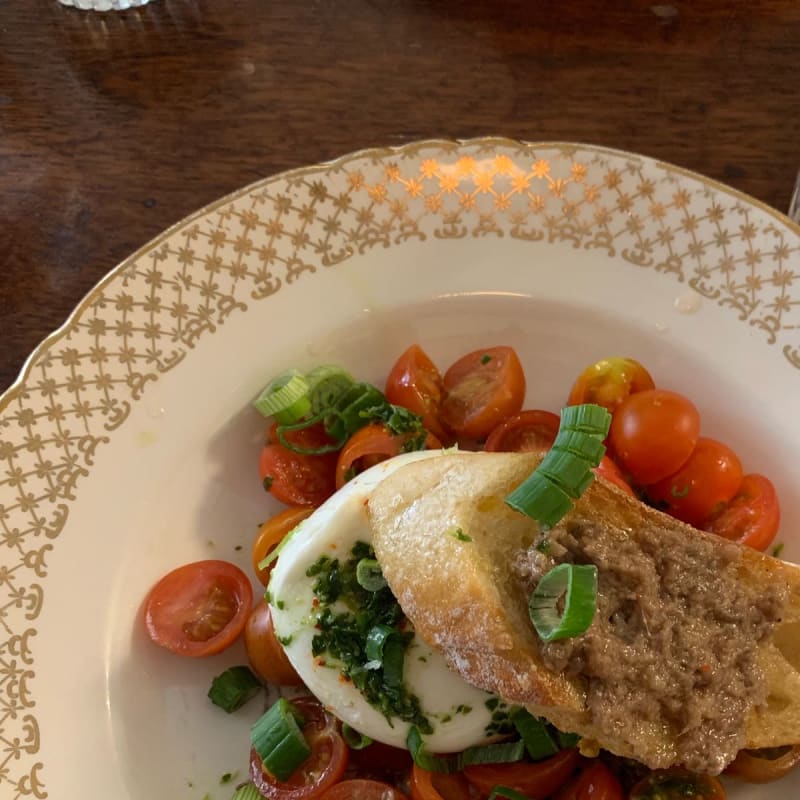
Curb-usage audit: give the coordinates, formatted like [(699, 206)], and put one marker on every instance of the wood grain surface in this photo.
[(115, 125)]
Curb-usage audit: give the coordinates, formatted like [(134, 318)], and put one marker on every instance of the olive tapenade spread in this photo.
[(674, 641)]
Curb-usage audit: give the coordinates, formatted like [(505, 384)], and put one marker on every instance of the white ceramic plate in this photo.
[(128, 445)]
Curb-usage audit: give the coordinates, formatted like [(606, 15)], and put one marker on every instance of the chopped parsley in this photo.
[(459, 534), (500, 723), (486, 358), (777, 550), (342, 633)]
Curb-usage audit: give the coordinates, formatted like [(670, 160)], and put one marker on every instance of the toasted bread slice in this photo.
[(459, 561)]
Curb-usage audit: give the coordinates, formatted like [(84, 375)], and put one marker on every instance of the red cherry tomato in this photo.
[(416, 384), (264, 652), (752, 517), (539, 779), (426, 785), (199, 609), (320, 771), (611, 472), (369, 446), (482, 389), (702, 486), (360, 789), (271, 534), (677, 784), (526, 432), (294, 478), (653, 434), (596, 782), (610, 381), (381, 762)]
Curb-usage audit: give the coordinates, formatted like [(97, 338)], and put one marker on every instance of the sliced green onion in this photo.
[(502, 753), (353, 739), (566, 471), (577, 584), (285, 398), (281, 431), (535, 734), (278, 740), (508, 793), (247, 791), (326, 385), (347, 416), (385, 645), (369, 575), (538, 497), (233, 688), (567, 740), (588, 418), (569, 472)]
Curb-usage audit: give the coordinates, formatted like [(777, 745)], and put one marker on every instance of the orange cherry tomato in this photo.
[(611, 472), (677, 784), (320, 771), (596, 782), (526, 432), (271, 534), (199, 609), (360, 789), (416, 384), (752, 517), (482, 389), (702, 486), (539, 779), (294, 478), (610, 381), (653, 433), (426, 785), (369, 446), (764, 766), (264, 652)]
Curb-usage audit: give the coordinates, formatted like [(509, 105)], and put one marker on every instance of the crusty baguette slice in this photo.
[(467, 599)]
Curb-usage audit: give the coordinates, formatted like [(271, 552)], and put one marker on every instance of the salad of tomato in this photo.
[(656, 453)]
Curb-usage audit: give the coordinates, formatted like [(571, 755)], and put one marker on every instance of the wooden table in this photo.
[(114, 126)]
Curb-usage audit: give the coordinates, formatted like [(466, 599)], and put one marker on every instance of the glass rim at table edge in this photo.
[(56, 335)]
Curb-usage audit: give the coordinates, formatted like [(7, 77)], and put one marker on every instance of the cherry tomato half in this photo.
[(611, 472), (320, 771), (702, 486), (653, 434), (538, 779), (677, 784), (294, 478), (271, 534), (199, 609), (752, 517), (596, 782), (264, 652), (359, 789), (610, 381), (526, 432), (416, 384), (764, 766), (369, 446), (426, 785), (482, 389)]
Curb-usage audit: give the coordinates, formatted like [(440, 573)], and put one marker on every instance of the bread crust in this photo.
[(464, 599)]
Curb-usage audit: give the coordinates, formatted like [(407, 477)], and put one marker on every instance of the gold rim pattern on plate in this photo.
[(147, 315)]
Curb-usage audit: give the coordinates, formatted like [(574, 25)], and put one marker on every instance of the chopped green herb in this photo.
[(226, 778), (676, 492), (486, 358), (285, 640), (354, 739), (459, 534), (543, 544), (346, 632), (237, 548), (778, 549), (280, 605), (447, 718), (463, 709), (267, 482), (233, 688)]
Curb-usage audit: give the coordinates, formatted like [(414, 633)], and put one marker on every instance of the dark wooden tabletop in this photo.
[(115, 125)]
